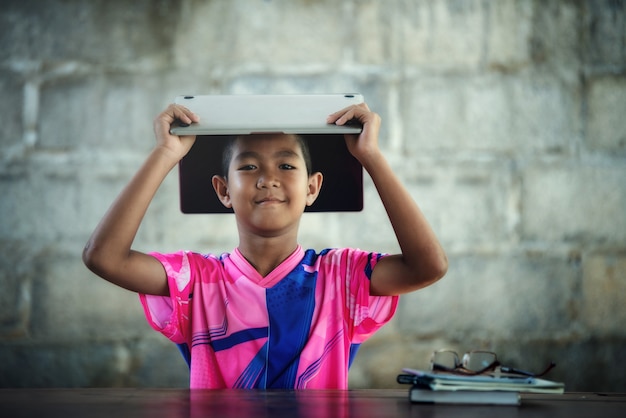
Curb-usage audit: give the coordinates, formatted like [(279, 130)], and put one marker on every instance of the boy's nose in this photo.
[(267, 180)]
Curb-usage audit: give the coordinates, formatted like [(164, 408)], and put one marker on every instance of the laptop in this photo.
[(223, 117)]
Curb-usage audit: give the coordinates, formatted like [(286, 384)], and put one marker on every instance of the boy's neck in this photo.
[(265, 254)]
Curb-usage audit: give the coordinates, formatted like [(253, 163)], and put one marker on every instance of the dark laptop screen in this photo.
[(342, 188)]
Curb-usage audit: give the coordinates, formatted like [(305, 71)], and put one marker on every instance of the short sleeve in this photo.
[(170, 314), (364, 314), (369, 312)]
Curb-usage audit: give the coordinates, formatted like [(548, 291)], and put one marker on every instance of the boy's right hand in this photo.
[(177, 146)]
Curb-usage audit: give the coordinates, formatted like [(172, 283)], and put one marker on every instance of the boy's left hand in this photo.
[(364, 146)]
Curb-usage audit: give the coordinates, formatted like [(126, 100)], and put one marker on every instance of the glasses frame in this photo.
[(495, 366), (460, 366)]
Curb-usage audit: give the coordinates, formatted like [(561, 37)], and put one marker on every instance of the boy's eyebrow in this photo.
[(246, 154), (286, 153), (252, 154)]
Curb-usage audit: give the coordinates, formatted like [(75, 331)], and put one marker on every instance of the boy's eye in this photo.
[(286, 167), (247, 167)]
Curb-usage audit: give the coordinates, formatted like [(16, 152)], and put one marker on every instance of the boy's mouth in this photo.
[(269, 200)]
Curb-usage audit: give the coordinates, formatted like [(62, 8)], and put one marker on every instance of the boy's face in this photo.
[(267, 185)]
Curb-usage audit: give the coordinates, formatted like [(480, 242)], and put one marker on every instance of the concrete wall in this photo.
[(505, 119)]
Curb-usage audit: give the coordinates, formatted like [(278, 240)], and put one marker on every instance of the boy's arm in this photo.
[(108, 252), (422, 260)]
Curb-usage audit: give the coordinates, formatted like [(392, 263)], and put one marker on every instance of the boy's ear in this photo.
[(314, 187), (220, 185)]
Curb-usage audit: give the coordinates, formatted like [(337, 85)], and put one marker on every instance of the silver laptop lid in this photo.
[(247, 114)]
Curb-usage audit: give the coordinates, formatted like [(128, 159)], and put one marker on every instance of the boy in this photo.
[(268, 315)]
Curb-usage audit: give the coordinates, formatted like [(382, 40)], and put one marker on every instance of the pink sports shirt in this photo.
[(299, 327)]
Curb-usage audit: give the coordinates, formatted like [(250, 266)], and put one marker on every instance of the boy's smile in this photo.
[(269, 200)]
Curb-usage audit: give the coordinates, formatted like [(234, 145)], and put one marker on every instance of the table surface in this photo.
[(378, 403)]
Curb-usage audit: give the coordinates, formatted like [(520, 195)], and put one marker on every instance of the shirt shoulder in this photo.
[(183, 266), (343, 259)]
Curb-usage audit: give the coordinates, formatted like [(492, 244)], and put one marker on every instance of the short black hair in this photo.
[(227, 154)]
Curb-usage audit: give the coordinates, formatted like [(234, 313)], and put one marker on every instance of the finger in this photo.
[(343, 117), (181, 113), (351, 112), (362, 105)]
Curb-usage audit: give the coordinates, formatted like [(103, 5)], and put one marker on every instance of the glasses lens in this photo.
[(478, 360), (446, 359)]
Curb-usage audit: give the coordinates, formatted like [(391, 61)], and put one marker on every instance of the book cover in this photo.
[(418, 394)]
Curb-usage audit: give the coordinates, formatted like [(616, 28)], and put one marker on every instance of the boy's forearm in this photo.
[(421, 250)]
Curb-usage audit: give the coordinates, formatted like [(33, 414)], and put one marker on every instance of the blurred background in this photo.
[(505, 119)]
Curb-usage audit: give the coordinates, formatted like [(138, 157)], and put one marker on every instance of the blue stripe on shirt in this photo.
[(290, 304)]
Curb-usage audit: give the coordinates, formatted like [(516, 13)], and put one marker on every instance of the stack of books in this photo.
[(483, 389)]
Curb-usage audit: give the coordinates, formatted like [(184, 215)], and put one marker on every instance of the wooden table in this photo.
[(174, 403)]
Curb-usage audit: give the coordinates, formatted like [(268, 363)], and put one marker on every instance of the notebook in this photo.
[(223, 117)]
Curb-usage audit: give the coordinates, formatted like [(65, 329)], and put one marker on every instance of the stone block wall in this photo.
[(505, 120)]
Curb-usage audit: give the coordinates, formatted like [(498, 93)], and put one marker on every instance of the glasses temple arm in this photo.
[(522, 372)]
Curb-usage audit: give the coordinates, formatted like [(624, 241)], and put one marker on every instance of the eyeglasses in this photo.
[(475, 362)]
